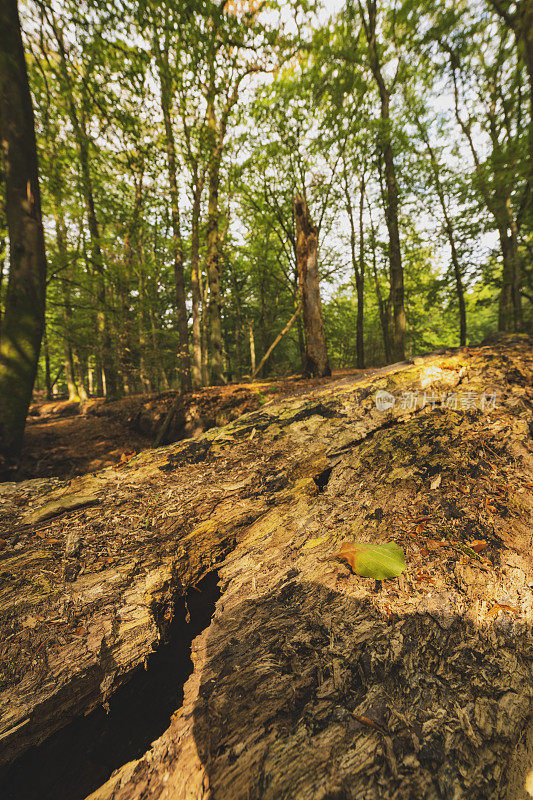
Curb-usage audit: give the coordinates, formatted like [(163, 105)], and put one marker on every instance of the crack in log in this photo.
[(82, 756)]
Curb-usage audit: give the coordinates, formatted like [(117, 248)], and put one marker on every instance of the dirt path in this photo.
[(65, 447)]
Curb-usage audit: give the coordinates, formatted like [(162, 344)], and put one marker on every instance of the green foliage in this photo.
[(296, 109)]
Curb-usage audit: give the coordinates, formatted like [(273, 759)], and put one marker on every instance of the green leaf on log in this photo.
[(378, 561)]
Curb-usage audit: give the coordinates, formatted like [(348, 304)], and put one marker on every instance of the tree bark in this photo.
[(4, 241), (448, 227), (527, 39), (143, 349), (133, 253), (391, 183), (163, 380), (383, 305), (316, 355), (177, 245), (204, 327), (47, 372), (499, 204), (195, 283), (358, 264), (309, 681), (252, 346), (506, 306), (106, 373), (213, 250), (73, 372), (521, 23), (23, 323)]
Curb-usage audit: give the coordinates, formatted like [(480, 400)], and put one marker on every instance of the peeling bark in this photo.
[(310, 681), (316, 354)]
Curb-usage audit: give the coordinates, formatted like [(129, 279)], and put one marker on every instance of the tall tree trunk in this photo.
[(458, 281), (3, 233), (124, 375), (70, 372), (252, 346), (195, 284), (448, 227), (163, 380), (521, 23), (143, 372), (78, 121), (360, 281), (177, 246), (133, 246), (204, 323), (23, 323), (510, 303), (527, 38), (391, 184), (383, 306), (91, 377), (358, 264), (105, 355), (517, 265), (316, 355), (500, 206), (80, 374), (510, 309), (47, 372), (395, 258), (213, 252), (237, 307)]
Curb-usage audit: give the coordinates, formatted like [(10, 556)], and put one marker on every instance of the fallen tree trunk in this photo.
[(309, 681)]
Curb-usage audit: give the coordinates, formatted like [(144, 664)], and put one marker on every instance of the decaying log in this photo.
[(310, 682)]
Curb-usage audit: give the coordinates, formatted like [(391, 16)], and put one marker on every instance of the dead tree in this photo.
[(316, 354)]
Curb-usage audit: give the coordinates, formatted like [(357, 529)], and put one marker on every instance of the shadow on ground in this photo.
[(307, 693)]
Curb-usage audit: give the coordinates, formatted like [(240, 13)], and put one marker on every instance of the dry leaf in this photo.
[(478, 545), (502, 607)]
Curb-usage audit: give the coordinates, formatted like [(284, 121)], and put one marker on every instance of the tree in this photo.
[(358, 261), (78, 114), (316, 354), (497, 186), (436, 173), (166, 84), (23, 323), (369, 19), (518, 16)]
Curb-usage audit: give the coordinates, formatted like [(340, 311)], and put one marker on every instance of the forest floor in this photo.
[(65, 439)]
